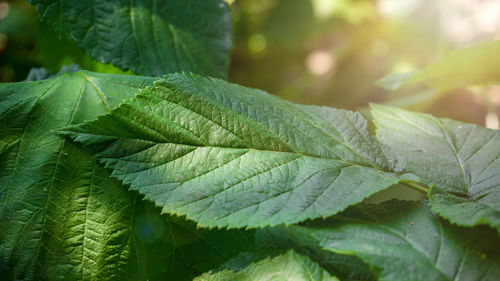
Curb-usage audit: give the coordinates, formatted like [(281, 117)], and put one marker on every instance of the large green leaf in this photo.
[(288, 267), (406, 241), (61, 215), (149, 37), (226, 155), (460, 161)]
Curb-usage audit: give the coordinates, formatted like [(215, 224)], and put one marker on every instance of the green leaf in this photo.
[(48, 185), (149, 37), (279, 239), (170, 248), (406, 241), (229, 156), (477, 65), (460, 161), (54, 52), (271, 242), (61, 215), (288, 267), (394, 81)]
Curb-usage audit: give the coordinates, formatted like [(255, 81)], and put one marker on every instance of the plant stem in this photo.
[(416, 187)]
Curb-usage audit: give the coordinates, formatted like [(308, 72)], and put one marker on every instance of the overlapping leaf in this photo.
[(287, 267), (149, 37), (461, 162), (61, 215), (279, 239), (274, 241), (226, 155), (406, 241)]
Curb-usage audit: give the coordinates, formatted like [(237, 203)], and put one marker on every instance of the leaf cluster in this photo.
[(123, 177)]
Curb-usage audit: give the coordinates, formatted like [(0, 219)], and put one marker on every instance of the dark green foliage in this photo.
[(121, 177), (148, 37), (406, 241), (63, 217)]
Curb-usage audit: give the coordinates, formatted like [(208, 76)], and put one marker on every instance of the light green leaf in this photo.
[(460, 161), (149, 37), (230, 156), (288, 267), (394, 81), (406, 241), (61, 215), (477, 65)]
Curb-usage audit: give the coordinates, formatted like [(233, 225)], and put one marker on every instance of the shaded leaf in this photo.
[(149, 37), (290, 267), (279, 239), (226, 155), (406, 241), (61, 215)]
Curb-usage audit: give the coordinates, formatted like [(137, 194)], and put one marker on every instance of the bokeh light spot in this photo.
[(492, 121), (257, 43), (4, 9), (320, 62)]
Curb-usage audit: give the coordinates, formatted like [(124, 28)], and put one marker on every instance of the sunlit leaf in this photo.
[(394, 81), (226, 155), (461, 162), (477, 65)]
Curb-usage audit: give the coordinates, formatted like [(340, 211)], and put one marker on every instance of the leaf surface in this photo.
[(406, 241), (62, 217), (281, 238), (461, 162), (287, 267), (230, 156), (149, 37)]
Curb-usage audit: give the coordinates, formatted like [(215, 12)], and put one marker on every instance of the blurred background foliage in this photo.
[(325, 52)]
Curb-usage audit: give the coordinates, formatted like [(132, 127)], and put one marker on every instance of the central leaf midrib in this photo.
[(454, 151), (349, 162)]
